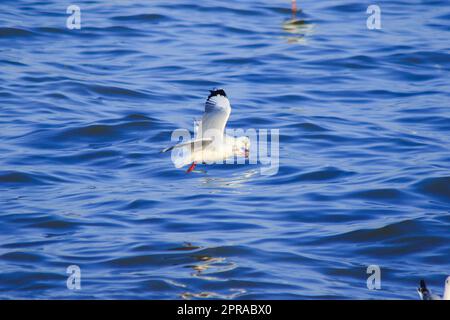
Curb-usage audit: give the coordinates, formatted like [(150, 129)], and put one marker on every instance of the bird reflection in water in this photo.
[(235, 182), (234, 293), (208, 266), (298, 27), (205, 268)]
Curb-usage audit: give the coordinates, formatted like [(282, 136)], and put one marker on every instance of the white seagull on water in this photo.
[(425, 293), (210, 143)]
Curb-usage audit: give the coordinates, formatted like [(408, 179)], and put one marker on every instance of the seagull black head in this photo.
[(216, 92)]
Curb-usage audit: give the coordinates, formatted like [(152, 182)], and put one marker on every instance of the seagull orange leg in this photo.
[(294, 8), (191, 167)]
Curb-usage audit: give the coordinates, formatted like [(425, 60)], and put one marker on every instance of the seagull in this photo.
[(425, 293), (210, 143)]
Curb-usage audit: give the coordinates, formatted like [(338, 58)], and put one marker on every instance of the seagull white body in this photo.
[(210, 144), (425, 293)]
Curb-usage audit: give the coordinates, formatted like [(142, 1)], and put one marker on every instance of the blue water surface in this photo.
[(364, 172)]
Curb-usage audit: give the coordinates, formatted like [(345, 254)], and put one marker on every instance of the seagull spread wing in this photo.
[(210, 129), (217, 112), (196, 143)]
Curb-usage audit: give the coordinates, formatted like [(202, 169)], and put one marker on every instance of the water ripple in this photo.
[(363, 173)]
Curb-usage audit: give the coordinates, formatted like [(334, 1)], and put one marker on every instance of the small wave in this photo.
[(54, 225), (222, 9), (24, 178), (43, 79), (91, 32), (238, 61), (438, 187), (15, 33), (354, 7), (152, 260), (19, 256), (53, 30), (13, 63), (307, 127), (328, 174), (320, 176), (391, 230), (116, 91), (380, 194), (236, 30), (17, 177), (149, 17), (140, 204), (353, 62)]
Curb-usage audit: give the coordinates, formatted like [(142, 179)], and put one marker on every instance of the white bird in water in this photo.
[(425, 293), (211, 144)]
